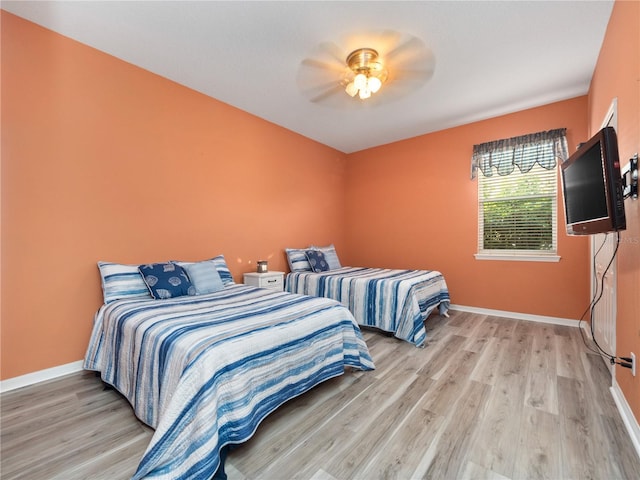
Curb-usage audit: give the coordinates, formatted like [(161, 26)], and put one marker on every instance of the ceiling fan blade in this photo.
[(410, 52), (331, 51), (411, 75), (322, 65), (401, 50), (411, 62), (312, 90), (331, 91), (326, 55), (316, 82), (321, 75)]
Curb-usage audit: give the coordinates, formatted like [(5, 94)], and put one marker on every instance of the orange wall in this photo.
[(89, 145), (617, 74), (411, 204)]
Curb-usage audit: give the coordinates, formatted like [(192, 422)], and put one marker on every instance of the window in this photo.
[(517, 196)]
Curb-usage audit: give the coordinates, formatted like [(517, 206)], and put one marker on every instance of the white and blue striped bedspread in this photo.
[(204, 371), (396, 301)]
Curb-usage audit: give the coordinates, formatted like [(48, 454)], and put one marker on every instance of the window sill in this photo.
[(515, 257)]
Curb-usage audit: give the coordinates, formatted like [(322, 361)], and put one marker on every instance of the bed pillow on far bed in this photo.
[(298, 261), (330, 255), (317, 261)]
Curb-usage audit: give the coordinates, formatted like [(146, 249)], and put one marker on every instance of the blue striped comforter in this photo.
[(396, 301), (204, 371)]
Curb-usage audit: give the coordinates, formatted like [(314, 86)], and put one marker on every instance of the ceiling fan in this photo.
[(371, 69)]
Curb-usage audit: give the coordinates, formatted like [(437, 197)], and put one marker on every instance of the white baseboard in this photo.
[(519, 316), (40, 376), (627, 415)]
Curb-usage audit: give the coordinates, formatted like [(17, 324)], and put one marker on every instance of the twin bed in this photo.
[(393, 301), (204, 368)]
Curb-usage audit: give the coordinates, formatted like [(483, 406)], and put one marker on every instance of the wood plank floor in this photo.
[(488, 398)]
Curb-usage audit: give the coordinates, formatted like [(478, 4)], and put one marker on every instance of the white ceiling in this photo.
[(491, 57)]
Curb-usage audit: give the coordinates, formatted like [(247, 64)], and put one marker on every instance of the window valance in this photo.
[(543, 148)]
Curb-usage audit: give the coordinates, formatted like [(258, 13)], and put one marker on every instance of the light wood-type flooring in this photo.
[(488, 398)]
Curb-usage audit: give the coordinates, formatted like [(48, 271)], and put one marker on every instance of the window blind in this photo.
[(518, 212)]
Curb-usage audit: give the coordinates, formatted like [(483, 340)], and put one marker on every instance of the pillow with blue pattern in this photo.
[(317, 261), (166, 280), (330, 254)]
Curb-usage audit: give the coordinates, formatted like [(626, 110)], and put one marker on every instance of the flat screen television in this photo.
[(592, 186)]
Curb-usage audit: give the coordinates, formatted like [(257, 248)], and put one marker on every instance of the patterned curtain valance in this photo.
[(523, 152)]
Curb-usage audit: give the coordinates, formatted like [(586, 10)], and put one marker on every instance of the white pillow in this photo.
[(297, 258), (121, 281)]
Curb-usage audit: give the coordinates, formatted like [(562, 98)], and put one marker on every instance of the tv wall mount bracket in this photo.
[(630, 178)]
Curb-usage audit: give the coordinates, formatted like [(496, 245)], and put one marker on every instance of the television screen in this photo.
[(592, 186), (585, 183)]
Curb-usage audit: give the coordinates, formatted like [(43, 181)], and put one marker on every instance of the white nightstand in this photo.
[(273, 280)]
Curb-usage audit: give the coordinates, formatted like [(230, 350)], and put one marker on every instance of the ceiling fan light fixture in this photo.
[(369, 73)]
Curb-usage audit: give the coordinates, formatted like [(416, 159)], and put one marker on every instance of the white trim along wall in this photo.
[(40, 376), (518, 316), (627, 415)]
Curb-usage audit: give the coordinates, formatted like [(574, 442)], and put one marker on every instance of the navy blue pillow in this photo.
[(317, 261), (166, 280)]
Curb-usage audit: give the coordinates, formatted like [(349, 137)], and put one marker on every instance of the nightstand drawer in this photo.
[(272, 280), (276, 283)]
